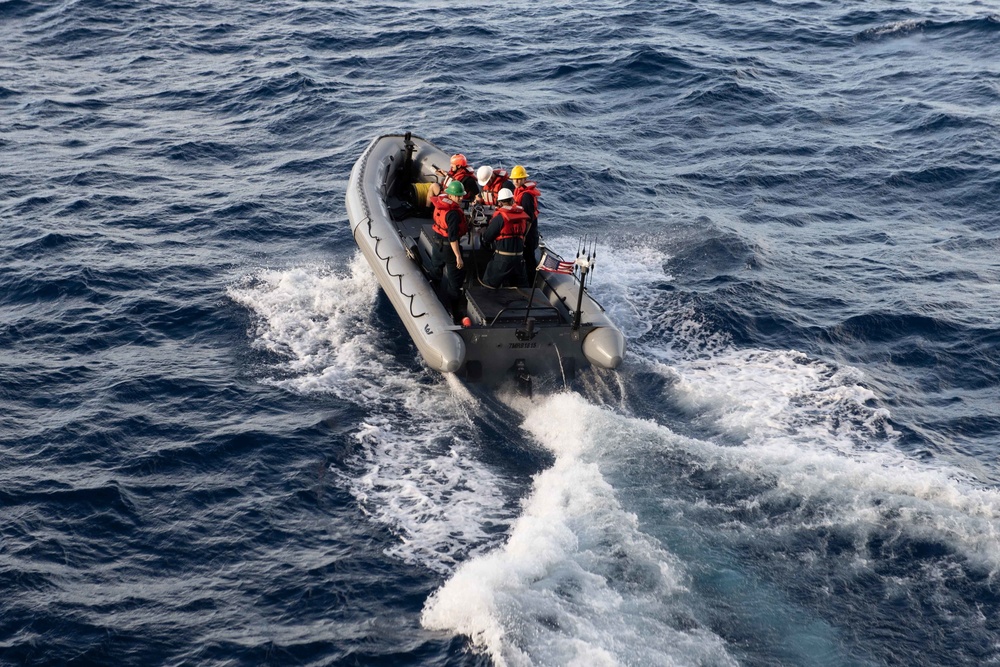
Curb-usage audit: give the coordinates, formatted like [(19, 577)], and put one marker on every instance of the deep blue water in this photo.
[(217, 445)]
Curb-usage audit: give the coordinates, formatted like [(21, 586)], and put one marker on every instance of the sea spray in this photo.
[(414, 470)]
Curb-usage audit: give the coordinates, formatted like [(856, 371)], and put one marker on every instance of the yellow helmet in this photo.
[(518, 172)]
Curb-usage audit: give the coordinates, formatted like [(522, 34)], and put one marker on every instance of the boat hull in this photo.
[(424, 316)]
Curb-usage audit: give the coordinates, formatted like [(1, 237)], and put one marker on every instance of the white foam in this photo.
[(904, 27), (412, 471), (577, 582), (813, 429), (316, 320)]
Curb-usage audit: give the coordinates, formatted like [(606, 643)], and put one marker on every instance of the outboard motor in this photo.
[(523, 378)]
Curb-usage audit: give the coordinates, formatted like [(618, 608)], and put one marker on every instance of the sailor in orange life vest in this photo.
[(450, 225), (506, 233), (526, 196), (459, 171), (491, 181)]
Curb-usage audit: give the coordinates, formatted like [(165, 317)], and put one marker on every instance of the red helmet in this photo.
[(458, 160)]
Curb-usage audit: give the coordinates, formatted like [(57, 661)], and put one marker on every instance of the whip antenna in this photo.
[(593, 256)]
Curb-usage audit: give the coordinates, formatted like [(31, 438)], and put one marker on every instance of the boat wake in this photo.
[(577, 581), (793, 510), (414, 469), (772, 528), (815, 452)]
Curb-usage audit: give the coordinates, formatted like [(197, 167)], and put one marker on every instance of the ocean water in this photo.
[(219, 447)]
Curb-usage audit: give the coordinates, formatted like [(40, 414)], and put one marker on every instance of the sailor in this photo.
[(450, 225), (459, 171), (506, 233), (491, 181), (526, 196)]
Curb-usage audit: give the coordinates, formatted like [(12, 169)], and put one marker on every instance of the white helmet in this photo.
[(484, 174), (505, 194)]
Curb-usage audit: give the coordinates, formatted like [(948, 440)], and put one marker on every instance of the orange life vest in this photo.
[(515, 223), (442, 206), (460, 174), (528, 187), (493, 187)]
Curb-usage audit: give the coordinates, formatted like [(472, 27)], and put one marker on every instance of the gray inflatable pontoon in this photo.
[(515, 332)]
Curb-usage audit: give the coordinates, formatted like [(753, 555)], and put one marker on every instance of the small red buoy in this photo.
[(466, 322)]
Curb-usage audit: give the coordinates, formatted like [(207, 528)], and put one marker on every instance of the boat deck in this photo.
[(486, 305), (509, 305)]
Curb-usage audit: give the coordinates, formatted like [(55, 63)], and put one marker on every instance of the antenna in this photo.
[(593, 256), (584, 267)]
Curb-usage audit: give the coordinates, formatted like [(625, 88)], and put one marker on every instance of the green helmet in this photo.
[(455, 188)]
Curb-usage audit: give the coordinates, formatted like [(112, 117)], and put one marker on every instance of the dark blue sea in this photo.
[(218, 446)]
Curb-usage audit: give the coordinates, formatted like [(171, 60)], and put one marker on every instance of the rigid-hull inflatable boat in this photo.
[(549, 330)]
